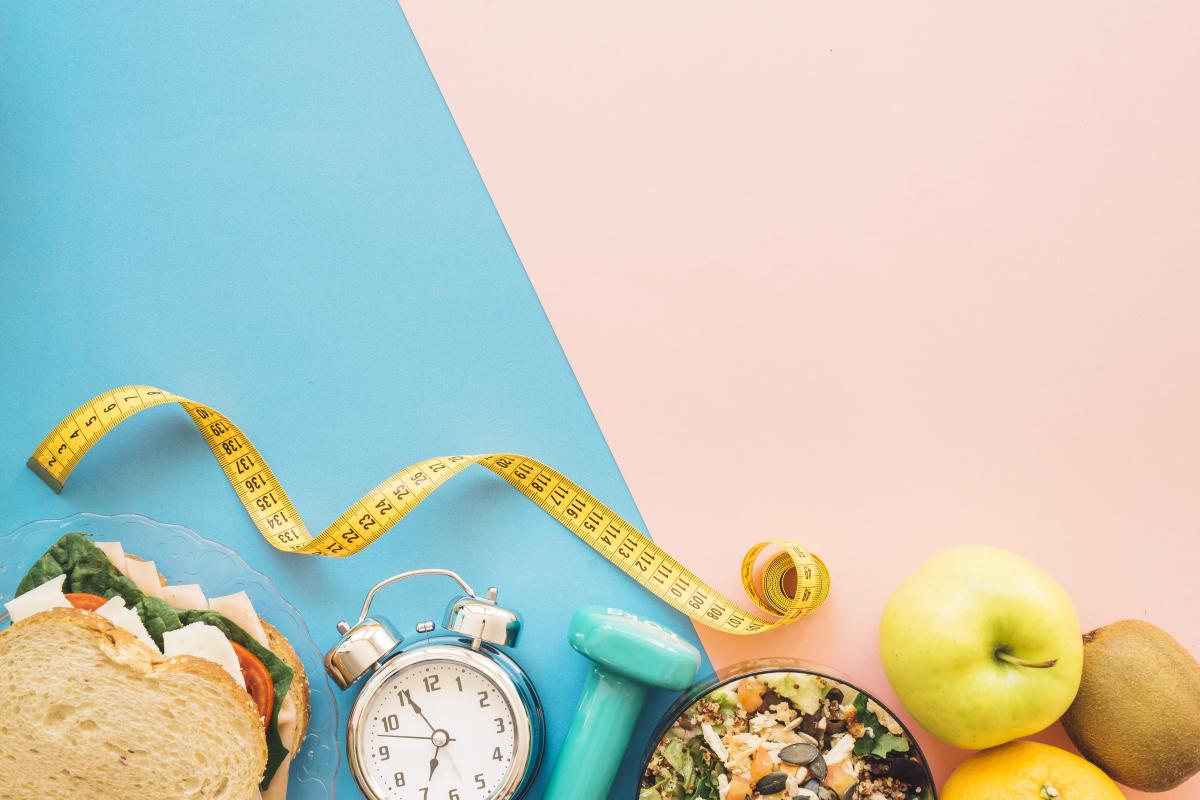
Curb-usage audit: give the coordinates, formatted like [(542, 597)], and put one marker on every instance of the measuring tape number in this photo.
[(793, 583)]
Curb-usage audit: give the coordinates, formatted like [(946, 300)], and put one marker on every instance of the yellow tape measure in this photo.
[(794, 583)]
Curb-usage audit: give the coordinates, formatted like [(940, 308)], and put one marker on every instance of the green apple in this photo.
[(982, 647)]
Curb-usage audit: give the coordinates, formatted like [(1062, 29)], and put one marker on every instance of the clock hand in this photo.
[(440, 739), (417, 709), (437, 748), (402, 736)]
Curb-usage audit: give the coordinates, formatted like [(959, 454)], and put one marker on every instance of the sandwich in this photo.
[(116, 685)]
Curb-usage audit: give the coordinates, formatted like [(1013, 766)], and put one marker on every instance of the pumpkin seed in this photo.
[(771, 783), (800, 754), (804, 737)]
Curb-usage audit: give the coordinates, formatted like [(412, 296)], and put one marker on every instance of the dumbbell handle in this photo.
[(597, 739)]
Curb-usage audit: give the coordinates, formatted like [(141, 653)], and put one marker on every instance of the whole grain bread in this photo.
[(88, 712)]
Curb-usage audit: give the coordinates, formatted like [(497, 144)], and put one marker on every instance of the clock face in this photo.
[(437, 730)]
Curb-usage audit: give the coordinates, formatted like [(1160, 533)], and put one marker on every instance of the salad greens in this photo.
[(697, 769), (876, 740), (89, 570)]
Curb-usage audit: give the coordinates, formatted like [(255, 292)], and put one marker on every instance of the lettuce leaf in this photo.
[(726, 697), (804, 691), (878, 741), (89, 570)]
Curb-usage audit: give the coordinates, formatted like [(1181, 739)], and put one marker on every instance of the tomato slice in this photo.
[(85, 601), (258, 681)]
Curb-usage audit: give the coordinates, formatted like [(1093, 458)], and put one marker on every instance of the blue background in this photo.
[(268, 208)]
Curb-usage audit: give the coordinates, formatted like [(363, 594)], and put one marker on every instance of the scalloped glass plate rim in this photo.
[(313, 775)]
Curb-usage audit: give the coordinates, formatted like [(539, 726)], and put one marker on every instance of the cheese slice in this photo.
[(115, 553), (186, 596), (237, 609), (204, 641), (288, 720), (115, 612), (277, 788), (38, 599), (145, 576)]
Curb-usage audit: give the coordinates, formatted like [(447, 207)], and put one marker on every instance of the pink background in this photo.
[(882, 278)]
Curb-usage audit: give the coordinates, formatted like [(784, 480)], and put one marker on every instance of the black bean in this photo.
[(835, 694), (810, 724), (771, 698), (836, 726), (902, 769), (771, 783)]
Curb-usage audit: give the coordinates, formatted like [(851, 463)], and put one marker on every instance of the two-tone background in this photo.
[(878, 278)]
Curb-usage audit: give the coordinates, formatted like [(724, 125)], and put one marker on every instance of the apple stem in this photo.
[(1008, 657)]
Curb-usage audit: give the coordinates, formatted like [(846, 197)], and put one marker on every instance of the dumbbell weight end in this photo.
[(630, 654)]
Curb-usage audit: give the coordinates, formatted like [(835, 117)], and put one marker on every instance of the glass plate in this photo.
[(184, 556)]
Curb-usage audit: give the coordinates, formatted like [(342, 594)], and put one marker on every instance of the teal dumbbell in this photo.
[(631, 654)]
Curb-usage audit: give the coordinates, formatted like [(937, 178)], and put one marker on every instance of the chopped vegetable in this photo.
[(802, 689), (84, 601), (258, 681)]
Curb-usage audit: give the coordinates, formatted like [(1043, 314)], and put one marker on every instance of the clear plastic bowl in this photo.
[(759, 667)]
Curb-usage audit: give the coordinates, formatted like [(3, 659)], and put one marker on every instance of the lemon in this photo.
[(1028, 771)]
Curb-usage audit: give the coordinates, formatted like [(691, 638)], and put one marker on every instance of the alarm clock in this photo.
[(448, 717)]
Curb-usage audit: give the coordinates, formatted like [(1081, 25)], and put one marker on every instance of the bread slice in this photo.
[(88, 712)]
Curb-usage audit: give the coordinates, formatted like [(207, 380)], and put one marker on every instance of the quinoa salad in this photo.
[(785, 736)]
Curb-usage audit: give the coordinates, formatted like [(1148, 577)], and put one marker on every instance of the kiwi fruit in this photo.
[(1137, 714)]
